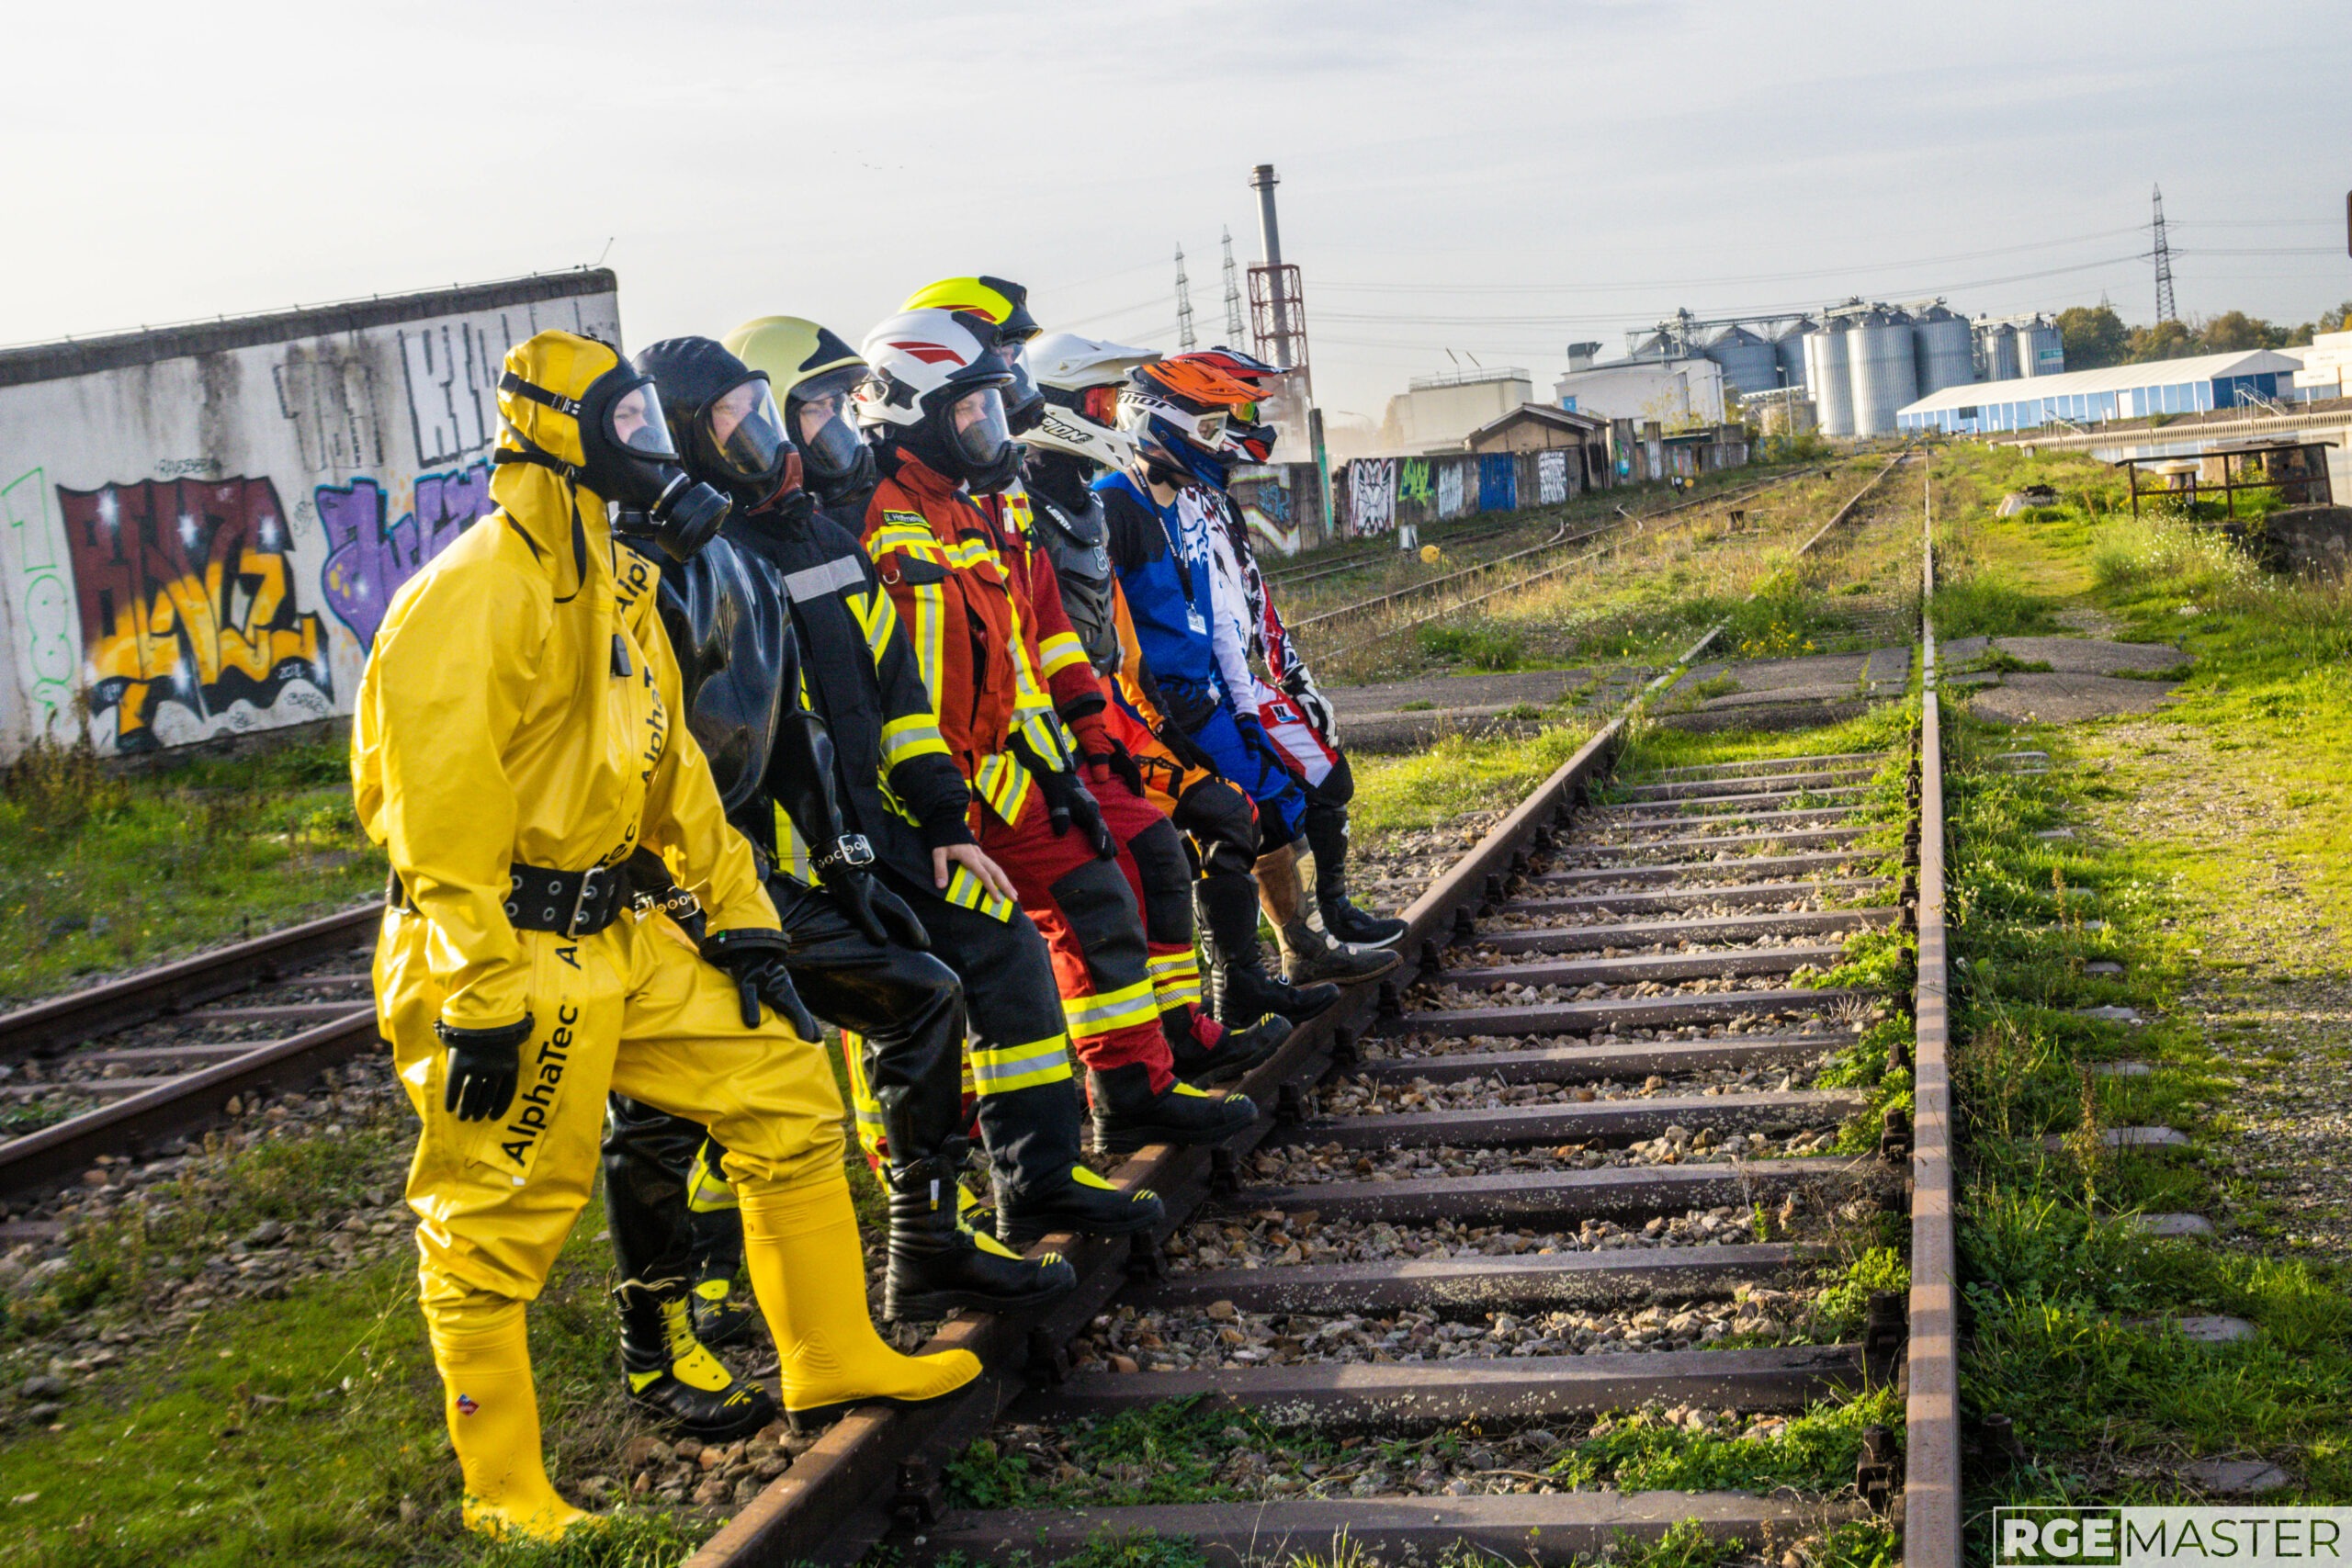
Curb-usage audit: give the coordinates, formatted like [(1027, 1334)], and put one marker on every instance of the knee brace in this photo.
[(1223, 823)]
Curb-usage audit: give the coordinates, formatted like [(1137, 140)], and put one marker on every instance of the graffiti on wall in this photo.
[(1413, 480), (1263, 499), (452, 371), (1498, 482), (1372, 495), (44, 606), (1450, 491), (368, 561), (190, 622), (330, 398), (1551, 478)]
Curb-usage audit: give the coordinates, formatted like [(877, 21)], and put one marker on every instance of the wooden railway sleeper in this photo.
[(1046, 1361)]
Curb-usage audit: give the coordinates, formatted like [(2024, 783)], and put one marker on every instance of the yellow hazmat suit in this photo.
[(512, 714)]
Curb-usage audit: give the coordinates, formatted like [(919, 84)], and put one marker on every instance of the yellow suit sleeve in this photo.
[(448, 679), (685, 822)]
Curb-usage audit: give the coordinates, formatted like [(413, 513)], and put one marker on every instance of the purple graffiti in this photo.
[(367, 562)]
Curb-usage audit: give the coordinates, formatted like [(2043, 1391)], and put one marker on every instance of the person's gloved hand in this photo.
[(1253, 733), (754, 959), (484, 1067), (1085, 811), (874, 909), (1319, 712), (1115, 762), (1068, 800)]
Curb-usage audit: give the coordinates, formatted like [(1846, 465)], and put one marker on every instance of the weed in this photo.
[(1482, 648)]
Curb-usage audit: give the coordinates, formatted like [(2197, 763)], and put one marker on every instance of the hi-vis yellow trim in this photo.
[(911, 735), (1093, 1017), (707, 1192), (792, 857), (1175, 978), (1002, 1070), (867, 1109), (1060, 651), (967, 891)]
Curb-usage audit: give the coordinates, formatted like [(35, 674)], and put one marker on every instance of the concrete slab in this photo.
[(1771, 674), (2236, 1477), (2102, 966), (2121, 1070), (2124, 1138), (2173, 1227), (2208, 1330), (2035, 698), (1888, 666), (2111, 1014), (2091, 656), (1458, 693)]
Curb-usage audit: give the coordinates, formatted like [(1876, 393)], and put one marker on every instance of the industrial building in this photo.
[(2197, 385), (1677, 391), (1435, 412)]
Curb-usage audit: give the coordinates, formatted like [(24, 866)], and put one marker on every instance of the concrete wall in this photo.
[(203, 526), (1429, 417), (1673, 392)]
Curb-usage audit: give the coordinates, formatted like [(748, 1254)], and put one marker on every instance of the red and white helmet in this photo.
[(1080, 378), (915, 359)]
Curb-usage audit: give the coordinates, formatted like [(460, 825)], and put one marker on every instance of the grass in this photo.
[(1456, 777), (102, 870)]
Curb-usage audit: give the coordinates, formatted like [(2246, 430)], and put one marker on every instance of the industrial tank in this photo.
[(1748, 363), (1945, 350), (1996, 345), (2041, 351), (1829, 376), (1790, 347), (1886, 370)]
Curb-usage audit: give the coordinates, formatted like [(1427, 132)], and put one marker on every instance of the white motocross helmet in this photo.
[(1081, 377)]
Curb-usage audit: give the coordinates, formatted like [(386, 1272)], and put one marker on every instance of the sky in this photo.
[(1461, 183)]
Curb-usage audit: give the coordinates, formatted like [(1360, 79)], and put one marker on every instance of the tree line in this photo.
[(2096, 336)]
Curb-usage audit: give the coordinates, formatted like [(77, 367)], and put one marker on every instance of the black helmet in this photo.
[(723, 419)]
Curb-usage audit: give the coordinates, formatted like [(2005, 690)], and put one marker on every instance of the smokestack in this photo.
[(1270, 240)]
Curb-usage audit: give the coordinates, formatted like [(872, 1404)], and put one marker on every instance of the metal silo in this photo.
[(2041, 351), (1886, 370), (1997, 344), (1748, 363), (1945, 348), (1829, 376), (1790, 347)]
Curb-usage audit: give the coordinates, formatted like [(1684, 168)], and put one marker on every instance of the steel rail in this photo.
[(1931, 1494)]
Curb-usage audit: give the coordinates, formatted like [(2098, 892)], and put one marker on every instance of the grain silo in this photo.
[(1748, 363), (1945, 350), (1790, 347), (1829, 376), (1996, 347), (1885, 369), (2041, 351)]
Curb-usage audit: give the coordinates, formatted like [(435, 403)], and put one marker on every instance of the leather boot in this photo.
[(1128, 1115), (1310, 956), (723, 1314), (1327, 836), (1204, 1052), (1082, 1204), (800, 1245), (938, 1267), (1226, 903), (672, 1377)]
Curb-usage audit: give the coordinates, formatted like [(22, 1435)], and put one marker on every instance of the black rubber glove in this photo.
[(1068, 800), (1119, 763), (485, 1066), (874, 909), (1310, 702), (754, 959)]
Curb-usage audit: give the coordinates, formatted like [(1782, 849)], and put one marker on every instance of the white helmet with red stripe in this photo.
[(941, 390), (1080, 378)]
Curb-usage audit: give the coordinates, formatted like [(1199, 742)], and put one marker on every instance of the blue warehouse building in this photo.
[(2197, 385)]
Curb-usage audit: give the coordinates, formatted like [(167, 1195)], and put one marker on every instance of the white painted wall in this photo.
[(206, 543), (1674, 392)]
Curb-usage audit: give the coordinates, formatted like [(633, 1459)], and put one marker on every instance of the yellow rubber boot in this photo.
[(800, 1245), (493, 1415)]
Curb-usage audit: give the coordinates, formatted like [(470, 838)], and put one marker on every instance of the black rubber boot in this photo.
[(673, 1378), (1128, 1115), (1327, 836), (1228, 906), (937, 1267), (1236, 1052), (1085, 1205)]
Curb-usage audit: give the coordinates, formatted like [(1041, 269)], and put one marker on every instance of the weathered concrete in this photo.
[(2317, 540), (1390, 718), (2065, 655), (1787, 694), (2066, 699)]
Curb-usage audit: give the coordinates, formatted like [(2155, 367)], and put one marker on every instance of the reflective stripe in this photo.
[(1175, 979), (1091, 1017), (1004, 784), (967, 891), (793, 859), (1004, 1069), (1060, 651), (821, 581), (912, 734)]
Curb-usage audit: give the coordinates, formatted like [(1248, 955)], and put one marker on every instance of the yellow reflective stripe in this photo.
[(868, 1109), (1004, 784), (1002, 1069), (1104, 1013), (910, 735), (793, 859), (966, 891), (1061, 651), (1175, 979), (878, 616), (707, 1191)]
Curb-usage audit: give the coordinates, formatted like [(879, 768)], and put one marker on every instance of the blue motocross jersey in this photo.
[(1168, 596)]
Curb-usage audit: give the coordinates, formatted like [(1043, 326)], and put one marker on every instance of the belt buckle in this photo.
[(857, 849), (591, 887)]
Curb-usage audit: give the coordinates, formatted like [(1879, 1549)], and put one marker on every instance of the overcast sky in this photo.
[(1495, 179)]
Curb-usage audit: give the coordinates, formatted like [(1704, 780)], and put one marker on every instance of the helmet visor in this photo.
[(824, 422), (976, 427), (746, 432), (635, 425)]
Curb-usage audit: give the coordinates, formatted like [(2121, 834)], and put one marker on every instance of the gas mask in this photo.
[(627, 458)]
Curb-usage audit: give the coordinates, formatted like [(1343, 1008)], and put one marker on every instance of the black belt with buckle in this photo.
[(571, 903)]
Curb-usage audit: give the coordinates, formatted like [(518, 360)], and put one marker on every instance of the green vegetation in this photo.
[(1482, 648), (2096, 336), (1456, 777), (102, 869)]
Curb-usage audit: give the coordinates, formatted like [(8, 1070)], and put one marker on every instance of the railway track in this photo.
[(1592, 1139), (136, 1061)]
